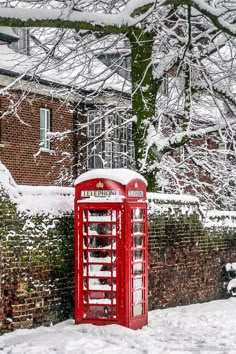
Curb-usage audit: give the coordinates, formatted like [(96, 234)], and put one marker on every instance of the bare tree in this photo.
[(182, 62)]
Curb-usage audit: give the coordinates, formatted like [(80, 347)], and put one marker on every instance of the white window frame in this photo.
[(45, 128), (123, 155), (108, 154), (94, 124), (222, 147), (94, 152)]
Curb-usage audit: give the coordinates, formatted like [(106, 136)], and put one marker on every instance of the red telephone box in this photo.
[(111, 280)]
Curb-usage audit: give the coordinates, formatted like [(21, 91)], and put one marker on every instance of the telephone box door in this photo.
[(137, 216), (100, 258)]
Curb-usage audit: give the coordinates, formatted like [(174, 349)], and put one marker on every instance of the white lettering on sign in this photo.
[(100, 193), (133, 193)]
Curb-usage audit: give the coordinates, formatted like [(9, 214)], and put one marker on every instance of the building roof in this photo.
[(80, 72)]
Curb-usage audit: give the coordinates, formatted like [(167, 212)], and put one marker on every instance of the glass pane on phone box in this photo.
[(95, 295), (99, 242), (85, 284), (85, 270), (138, 283), (138, 255), (113, 258), (99, 311), (138, 228), (85, 231), (94, 284), (103, 297), (113, 312), (94, 270), (85, 242), (138, 310), (138, 241), (138, 268), (137, 296), (100, 255), (101, 215), (138, 214)]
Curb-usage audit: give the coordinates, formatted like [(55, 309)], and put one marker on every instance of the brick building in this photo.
[(46, 139)]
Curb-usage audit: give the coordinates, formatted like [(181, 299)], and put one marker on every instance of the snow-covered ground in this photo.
[(201, 328)]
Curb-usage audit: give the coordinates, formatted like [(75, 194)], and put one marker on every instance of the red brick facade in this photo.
[(20, 138)]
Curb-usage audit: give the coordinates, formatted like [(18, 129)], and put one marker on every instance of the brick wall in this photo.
[(36, 268), (36, 259), (20, 138), (186, 260)]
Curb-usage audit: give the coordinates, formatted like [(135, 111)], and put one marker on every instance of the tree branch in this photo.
[(215, 16)]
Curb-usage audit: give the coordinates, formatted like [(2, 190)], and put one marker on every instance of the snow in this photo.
[(231, 285), (84, 76), (200, 328), (33, 200), (184, 198), (119, 20), (173, 204), (8, 31), (120, 175), (230, 266), (52, 200), (218, 218)]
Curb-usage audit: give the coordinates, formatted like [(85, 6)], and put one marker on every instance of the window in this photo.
[(23, 44), (116, 150), (109, 125), (222, 147), (45, 128), (123, 155), (108, 154), (164, 86), (95, 159), (94, 124), (111, 144)]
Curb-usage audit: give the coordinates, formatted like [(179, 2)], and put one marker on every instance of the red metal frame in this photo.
[(97, 300)]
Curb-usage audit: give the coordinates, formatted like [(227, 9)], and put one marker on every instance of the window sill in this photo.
[(48, 151), (2, 145)]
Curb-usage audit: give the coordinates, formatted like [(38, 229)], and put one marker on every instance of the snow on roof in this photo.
[(78, 72), (121, 175)]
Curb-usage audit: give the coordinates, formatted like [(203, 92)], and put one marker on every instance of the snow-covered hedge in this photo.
[(172, 204)]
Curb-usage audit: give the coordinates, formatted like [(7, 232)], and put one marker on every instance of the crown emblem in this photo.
[(136, 185), (99, 185)]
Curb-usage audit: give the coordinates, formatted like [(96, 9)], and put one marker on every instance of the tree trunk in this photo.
[(144, 91)]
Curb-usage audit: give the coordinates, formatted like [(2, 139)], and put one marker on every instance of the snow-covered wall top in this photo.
[(120, 175), (32, 200), (174, 198), (57, 201), (219, 219), (173, 204)]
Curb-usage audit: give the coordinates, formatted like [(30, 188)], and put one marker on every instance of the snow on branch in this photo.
[(69, 18), (217, 15), (163, 145)]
